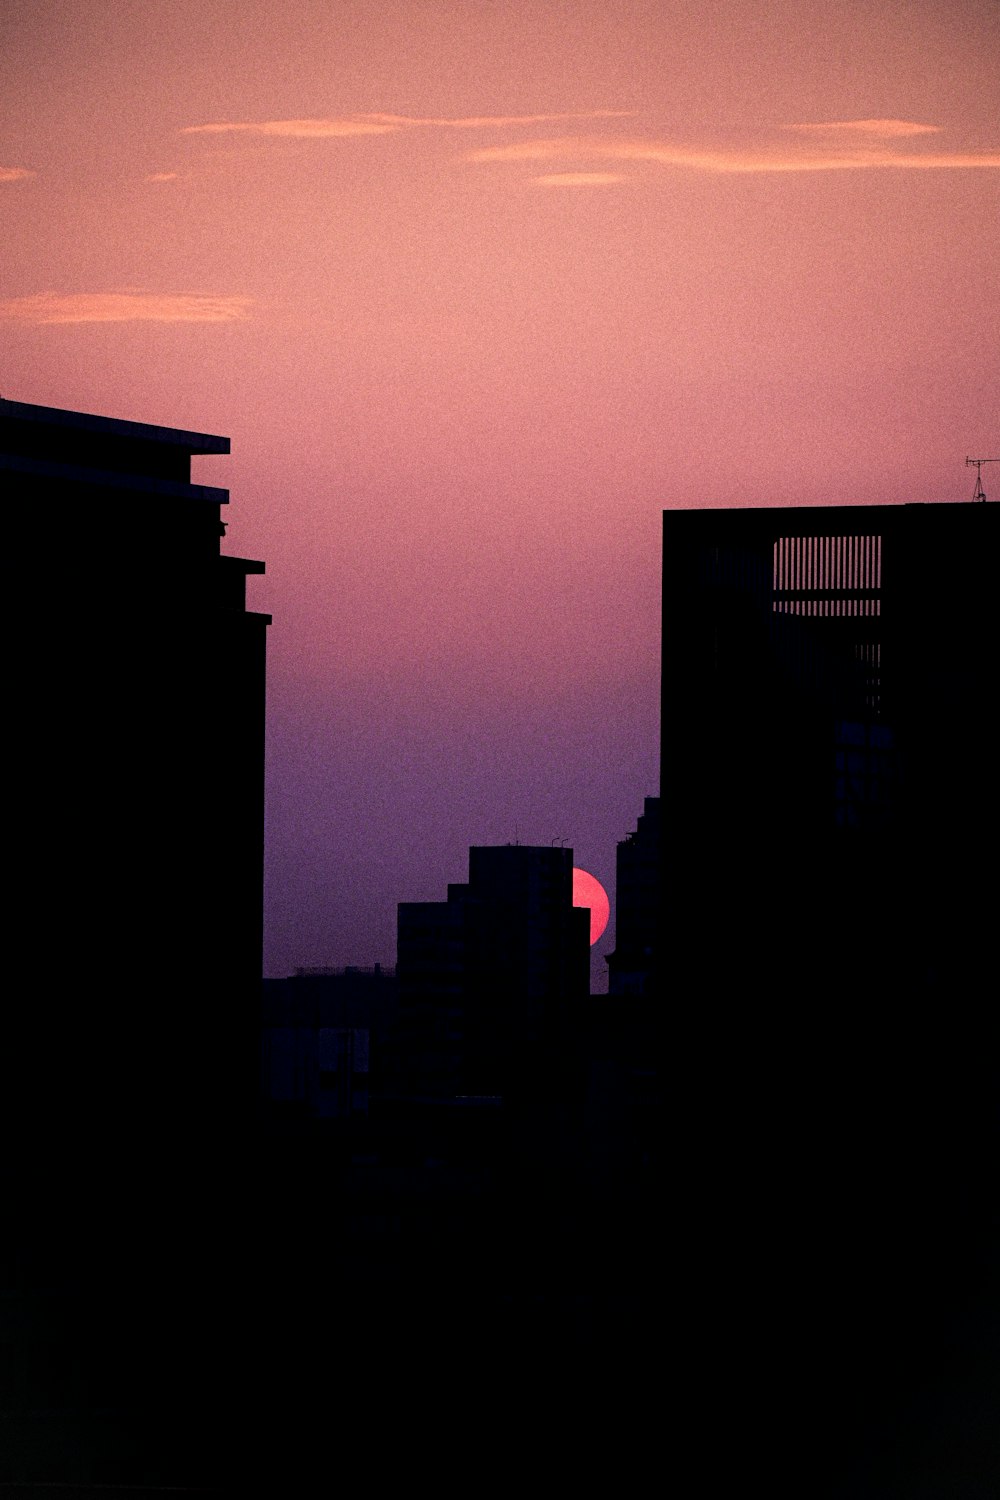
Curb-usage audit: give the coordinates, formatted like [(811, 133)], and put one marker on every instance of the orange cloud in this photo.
[(485, 122), (381, 124), (297, 129), (777, 158), (14, 174), (162, 177), (124, 307), (578, 179), (883, 129)]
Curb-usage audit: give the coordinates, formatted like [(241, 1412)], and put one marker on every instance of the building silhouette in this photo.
[(493, 988), (825, 730), (828, 801), (488, 978), (432, 1247), (633, 966), (135, 846), (325, 1037)]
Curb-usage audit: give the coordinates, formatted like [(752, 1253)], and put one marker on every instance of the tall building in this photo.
[(633, 968), (134, 841), (829, 818), (489, 978), (827, 680)]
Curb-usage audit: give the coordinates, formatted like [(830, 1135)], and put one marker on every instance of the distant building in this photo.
[(325, 1036), (633, 966), (489, 978)]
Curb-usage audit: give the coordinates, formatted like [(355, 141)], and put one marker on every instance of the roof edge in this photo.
[(55, 416)]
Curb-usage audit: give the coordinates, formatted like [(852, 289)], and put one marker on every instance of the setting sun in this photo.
[(588, 891)]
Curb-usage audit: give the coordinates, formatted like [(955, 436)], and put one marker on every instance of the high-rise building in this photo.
[(633, 968), (488, 979), (134, 845), (826, 762), (829, 820)]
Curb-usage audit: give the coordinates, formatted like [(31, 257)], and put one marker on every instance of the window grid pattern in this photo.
[(830, 576)]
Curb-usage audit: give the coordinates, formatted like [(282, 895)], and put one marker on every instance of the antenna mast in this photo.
[(979, 493)]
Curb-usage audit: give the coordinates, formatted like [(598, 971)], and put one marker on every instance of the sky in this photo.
[(477, 291)]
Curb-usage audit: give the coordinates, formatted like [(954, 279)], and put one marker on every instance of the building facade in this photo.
[(134, 838), (325, 1037), (828, 802), (825, 729), (488, 979), (633, 968)]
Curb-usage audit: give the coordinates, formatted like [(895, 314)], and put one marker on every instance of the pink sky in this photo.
[(477, 291)]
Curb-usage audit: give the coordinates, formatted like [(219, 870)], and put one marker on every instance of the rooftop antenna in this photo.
[(979, 493)]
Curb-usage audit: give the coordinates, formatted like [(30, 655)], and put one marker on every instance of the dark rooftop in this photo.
[(54, 416)]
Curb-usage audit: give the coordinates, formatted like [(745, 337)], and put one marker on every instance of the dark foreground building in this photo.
[(826, 739), (134, 844), (829, 820)]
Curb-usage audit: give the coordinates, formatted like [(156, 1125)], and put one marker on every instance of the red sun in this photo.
[(587, 891)]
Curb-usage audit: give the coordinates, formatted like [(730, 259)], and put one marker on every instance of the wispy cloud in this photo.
[(489, 122), (877, 129), (162, 176), (382, 124), (296, 129), (843, 145), (578, 179), (14, 174), (124, 307)]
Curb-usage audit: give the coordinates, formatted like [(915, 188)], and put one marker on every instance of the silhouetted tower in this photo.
[(488, 979), (633, 968), (826, 737), (134, 840), (829, 816)]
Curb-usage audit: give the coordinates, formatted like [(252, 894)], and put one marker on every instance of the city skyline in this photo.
[(476, 297)]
